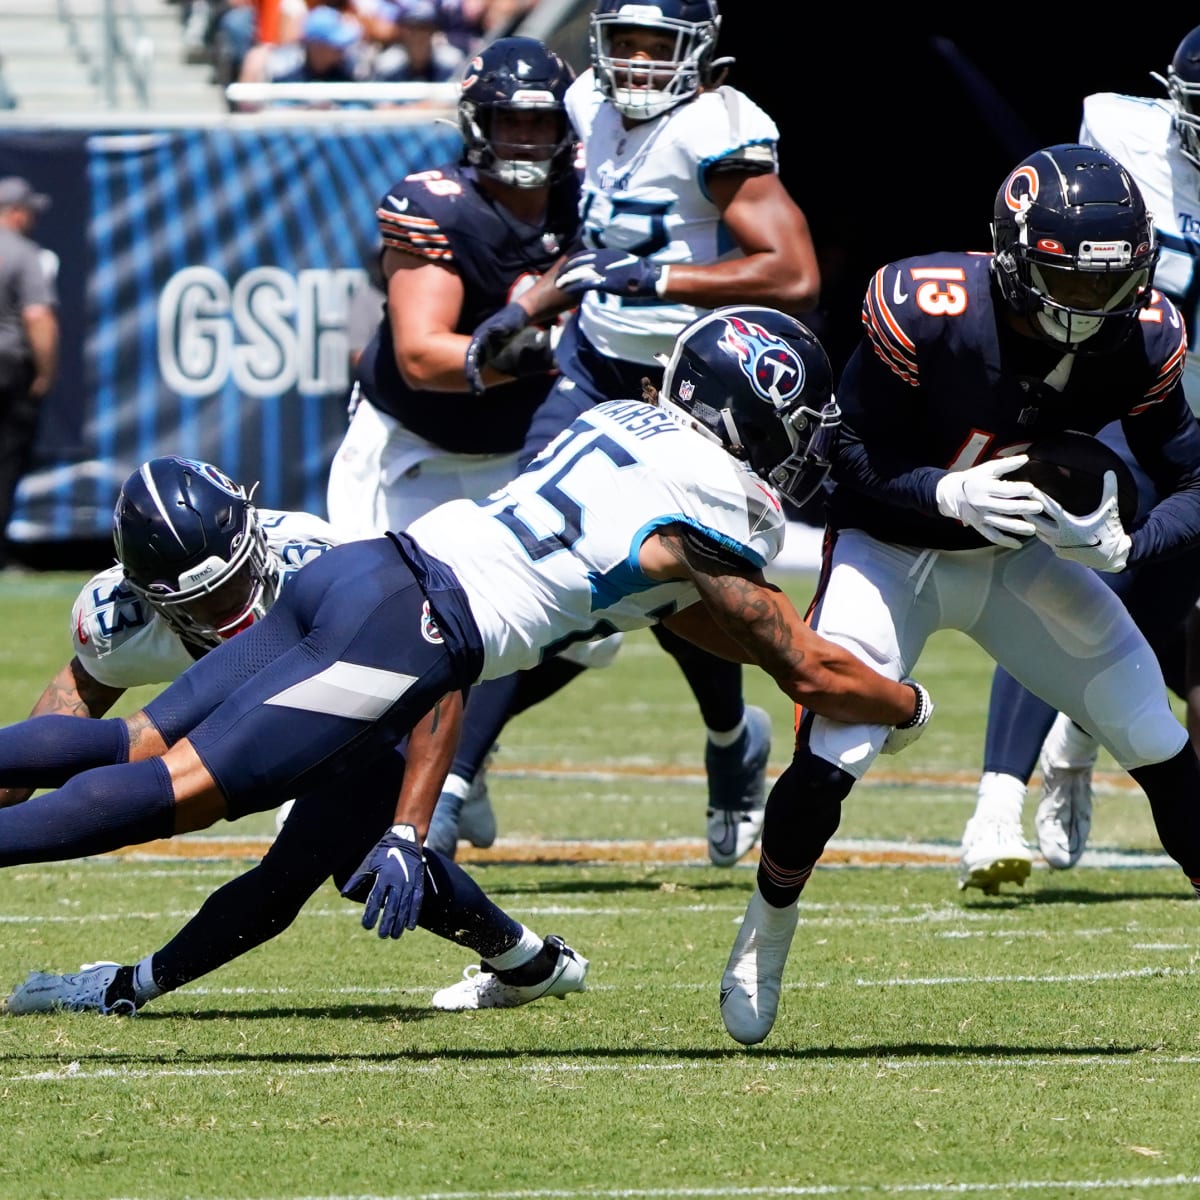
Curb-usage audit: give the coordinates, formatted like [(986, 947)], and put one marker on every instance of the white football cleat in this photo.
[(481, 988), (737, 789), (84, 991), (1064, 815), (993, 852), (754, 974)]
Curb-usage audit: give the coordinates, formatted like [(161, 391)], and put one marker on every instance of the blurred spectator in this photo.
[(28, 337), (414, 49), (329, 51), (237, 26)]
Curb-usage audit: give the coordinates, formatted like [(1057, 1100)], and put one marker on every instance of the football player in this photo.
[(966, 360), (1158, 141), (683, 211), (457, 243), (197, 564), (637, 513)]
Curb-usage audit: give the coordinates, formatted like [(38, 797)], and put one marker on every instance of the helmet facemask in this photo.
[(644, 88), (217, 598), (1183, 88), (515, 163), (758, 383), (1070, 298)]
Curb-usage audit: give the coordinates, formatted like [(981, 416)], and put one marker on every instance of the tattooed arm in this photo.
[(740, 611), (72, 693)]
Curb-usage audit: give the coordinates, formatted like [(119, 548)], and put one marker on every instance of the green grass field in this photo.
[(930, 1043)]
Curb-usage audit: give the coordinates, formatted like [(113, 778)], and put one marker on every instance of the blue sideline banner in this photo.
[(205, 278)]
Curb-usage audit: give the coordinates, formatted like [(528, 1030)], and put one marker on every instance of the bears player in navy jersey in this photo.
[(638, 513), (966, 360), (458, 243), (683, 210), (1158, 141)]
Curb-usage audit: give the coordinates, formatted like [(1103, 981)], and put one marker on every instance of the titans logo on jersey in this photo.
[(942, 380), (441, 216)]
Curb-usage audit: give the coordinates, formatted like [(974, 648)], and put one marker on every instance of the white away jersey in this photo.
[(123, 643), (643, 191), (1137, 132), (552, 558)]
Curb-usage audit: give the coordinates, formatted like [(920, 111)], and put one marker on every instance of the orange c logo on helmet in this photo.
[(1051, 246), (1014, 193)]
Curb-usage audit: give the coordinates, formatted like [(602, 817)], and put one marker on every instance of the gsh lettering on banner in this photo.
[(270, 331)]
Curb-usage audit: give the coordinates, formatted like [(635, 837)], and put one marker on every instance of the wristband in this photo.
[(407, 832), (660, 284), (920, 712)]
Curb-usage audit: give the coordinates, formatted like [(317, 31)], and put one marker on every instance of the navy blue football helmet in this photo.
[(759, 383), (1074, 247), (516, 74), (643, 88), (192, 548), (1183, 87)]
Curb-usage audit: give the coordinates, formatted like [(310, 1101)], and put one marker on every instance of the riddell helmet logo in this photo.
[(429, 627), (775, 370)]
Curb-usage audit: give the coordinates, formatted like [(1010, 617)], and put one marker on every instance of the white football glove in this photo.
[(904, 735), (996, 507), (1098, 540)]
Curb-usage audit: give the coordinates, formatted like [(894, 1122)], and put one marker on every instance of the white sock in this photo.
[(721, 740), (456, 785), (144, 987), (529, 946), (1068, 747), (1000, 797)]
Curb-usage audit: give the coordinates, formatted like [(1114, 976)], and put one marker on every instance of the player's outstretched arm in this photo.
[(71, 693), (747, 610)]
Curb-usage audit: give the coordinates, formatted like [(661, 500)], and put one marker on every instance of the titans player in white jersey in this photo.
[(682, 210), (1157, 140), (636, 514), (197, 565)]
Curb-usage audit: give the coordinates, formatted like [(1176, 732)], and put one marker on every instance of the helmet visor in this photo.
[(1098, 292)]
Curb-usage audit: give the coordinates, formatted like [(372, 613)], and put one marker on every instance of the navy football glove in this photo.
[(489, 339), (395, 870), (614, 271)]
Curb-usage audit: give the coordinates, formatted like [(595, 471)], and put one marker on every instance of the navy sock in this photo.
[(803, 812), (456, 908), (100, 810), (239, 915), (47, 751), (1172, 788)]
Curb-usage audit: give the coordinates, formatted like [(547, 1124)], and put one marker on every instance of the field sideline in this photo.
[(931, 1042)]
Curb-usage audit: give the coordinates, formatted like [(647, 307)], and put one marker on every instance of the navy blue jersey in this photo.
[(443, 216), (942, 381)]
